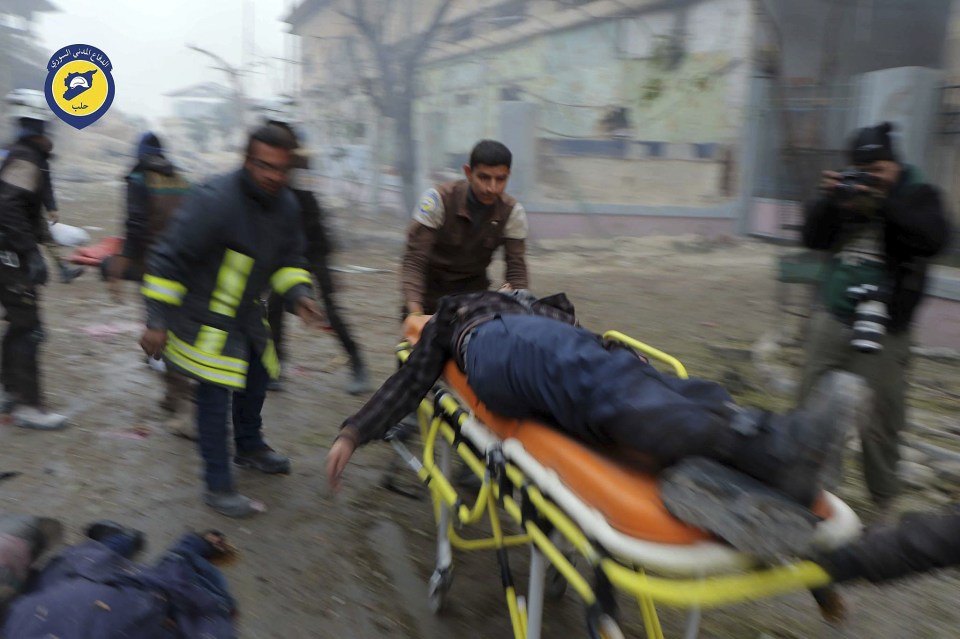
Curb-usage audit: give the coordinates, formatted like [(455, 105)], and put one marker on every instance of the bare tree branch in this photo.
[(381, 53), (426, 36), (392, 89)]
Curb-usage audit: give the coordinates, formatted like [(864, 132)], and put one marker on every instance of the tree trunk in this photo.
[(406, 151)]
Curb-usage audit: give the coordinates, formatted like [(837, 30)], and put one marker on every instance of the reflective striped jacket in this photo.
[(228, 244)]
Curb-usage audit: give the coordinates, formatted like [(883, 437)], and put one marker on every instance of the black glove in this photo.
[(37, 269)]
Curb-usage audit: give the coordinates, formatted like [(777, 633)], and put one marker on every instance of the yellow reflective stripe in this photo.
[(286, 278), (163, 290), (173, 354), (269, 358), (231, 283), (220, 363), (211, 340)]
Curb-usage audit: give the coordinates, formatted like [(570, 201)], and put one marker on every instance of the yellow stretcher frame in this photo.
[(547, 530)]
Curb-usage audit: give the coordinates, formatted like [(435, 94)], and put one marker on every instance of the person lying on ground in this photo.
[(529, 359), (95, 591)]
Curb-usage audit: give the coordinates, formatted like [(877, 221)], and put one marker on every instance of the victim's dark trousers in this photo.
[(212, 404), (19, 370), (533, 367), (275, 312)]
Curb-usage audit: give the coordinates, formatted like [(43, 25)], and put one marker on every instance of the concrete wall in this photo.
[(681, 75), (550, 224), (577, 75), (650, 182)]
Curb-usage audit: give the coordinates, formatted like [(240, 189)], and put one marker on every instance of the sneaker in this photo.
[(37, 418), (182, 425), (233, 504), (266, 460), (359, 383)]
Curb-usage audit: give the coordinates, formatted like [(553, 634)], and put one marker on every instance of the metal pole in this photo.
[(538, 571)]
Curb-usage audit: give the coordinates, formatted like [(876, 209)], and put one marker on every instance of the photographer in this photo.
[(879, 222)]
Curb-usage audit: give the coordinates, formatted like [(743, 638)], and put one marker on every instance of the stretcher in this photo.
[(569, 501), (95, 254)]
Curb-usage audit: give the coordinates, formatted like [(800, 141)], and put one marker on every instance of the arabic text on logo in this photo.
[(79, 86)]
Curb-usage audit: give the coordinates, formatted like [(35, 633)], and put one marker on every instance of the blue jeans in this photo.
[(531, 367), (212, 403)]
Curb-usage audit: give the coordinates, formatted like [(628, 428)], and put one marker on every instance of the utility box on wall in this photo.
[(908, 97)]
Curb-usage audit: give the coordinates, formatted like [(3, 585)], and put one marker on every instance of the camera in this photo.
[(870, 317), (851, 178)]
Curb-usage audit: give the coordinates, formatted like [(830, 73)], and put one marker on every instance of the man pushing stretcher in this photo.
[(529, 359)]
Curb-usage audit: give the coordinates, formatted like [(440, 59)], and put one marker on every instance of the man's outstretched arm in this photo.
[(397, 397), (920, 543)]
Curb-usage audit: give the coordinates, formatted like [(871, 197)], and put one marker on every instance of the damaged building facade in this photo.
[(635, 116)]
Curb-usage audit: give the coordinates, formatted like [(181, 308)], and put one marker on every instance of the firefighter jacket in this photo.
[(228, 243)]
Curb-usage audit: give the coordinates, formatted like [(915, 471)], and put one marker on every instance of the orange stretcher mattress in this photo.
[(627, 497)]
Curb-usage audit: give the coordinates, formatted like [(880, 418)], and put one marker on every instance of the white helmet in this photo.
[(281, 110), (28, 104)]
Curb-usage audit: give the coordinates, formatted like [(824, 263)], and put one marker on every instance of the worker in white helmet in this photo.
[(24, 187)]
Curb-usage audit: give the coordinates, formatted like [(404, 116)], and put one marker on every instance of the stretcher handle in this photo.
[(648, 350)]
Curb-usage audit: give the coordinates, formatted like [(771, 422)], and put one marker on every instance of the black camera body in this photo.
[(871, 316), (850, 179)]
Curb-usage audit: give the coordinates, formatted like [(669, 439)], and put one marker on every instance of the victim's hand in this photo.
[(337, 459)]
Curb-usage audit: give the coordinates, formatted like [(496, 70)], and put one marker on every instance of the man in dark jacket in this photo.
[(878, 227), (155, 190), (233, 238), (527, 359), (24, 185)]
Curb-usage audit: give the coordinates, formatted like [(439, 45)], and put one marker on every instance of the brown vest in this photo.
[(463, 251)]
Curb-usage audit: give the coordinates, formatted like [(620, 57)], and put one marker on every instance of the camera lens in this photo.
[(869, 325)]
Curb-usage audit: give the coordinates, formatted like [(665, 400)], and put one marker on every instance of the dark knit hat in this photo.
[(872, 143), (149, 144), (30, 127)]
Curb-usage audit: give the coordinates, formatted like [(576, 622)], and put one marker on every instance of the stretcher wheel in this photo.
[(440, 583), (603, 626), (607, 628), (555, 585)]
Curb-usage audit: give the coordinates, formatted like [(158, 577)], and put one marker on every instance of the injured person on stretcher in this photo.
[(528, 358)]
